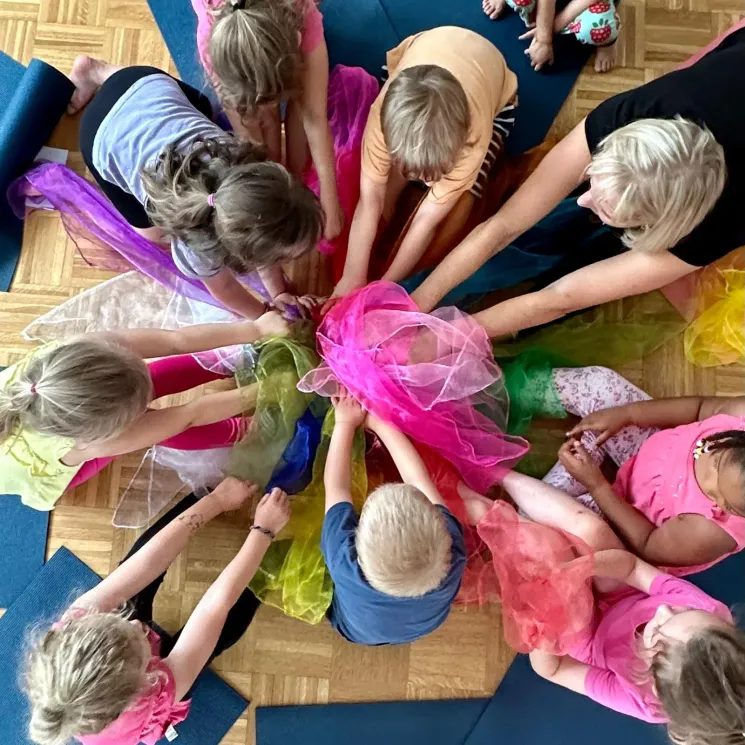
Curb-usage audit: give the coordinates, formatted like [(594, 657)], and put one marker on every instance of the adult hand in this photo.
[(579, 464), (232, 494)]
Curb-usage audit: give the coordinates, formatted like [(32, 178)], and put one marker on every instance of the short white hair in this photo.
[(666, 175), (403, 544)]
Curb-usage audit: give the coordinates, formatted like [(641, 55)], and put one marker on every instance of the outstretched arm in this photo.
[(233, 295), (199, 638), (158, 554), (408, 461), (560, 172), (630, 273)]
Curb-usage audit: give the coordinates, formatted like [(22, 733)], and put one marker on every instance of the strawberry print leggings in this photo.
[(598, 25), (584, 390)]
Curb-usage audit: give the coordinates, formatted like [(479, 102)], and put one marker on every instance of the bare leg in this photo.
[(396, 184), (89, 75), (493, 8), (605, 58), (298, 153)]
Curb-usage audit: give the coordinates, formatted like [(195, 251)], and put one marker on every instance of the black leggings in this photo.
[(98, 109), (240, 614)]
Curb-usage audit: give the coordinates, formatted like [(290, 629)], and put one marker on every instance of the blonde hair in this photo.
[(403, 545), (87, 389), (255, 51), (700, 685), (425, 121), (667, 175), (261, 215), (79, 678)]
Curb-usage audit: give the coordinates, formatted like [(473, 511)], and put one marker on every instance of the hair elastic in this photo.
[(238, 5), (211, 200), (33, 389)]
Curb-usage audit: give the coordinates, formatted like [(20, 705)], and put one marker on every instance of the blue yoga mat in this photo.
[(360, 32), (215, 705), (34, 100), (525, 710), (394, 723), (23, 541)]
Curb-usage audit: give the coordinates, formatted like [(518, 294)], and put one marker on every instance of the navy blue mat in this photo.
[(394, 723), (215, 705), (360, 32), (23, 541), (34, 99)]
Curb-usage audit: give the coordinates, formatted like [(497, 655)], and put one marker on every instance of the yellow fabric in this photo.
[(30, 463), (293, 575), (488, 83)]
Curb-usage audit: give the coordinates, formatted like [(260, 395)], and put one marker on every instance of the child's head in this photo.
[(697, 666), (425, 121), (720, 470), (258, 214), (255, 51), (403, 545), (88, 390), (80, 677), (658, 179)]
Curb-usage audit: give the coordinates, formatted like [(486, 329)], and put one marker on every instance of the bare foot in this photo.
[(87, 74), (605, 58), (493, 8)]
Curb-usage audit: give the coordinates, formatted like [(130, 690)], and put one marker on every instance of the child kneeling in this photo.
[(397, 569)]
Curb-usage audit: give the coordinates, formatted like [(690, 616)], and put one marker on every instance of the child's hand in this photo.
[(607, 421), (334, 219), (541, 52), (232, 494), (273, 511), (272, 324), (348, 411), (579, 464), (344, 286), (287, 303)]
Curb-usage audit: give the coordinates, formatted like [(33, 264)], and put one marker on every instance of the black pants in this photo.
[(240, 614), (96, 111)]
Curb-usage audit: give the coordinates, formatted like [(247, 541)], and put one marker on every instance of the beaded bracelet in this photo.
[(263, 531)]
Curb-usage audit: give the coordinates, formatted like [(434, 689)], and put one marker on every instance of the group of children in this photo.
[(223, 205)]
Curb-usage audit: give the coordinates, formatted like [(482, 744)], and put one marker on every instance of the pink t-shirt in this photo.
[(148, 718), (311, 35), (610, 645), (660, 480)]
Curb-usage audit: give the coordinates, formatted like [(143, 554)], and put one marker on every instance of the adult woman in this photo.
[(665, 163)]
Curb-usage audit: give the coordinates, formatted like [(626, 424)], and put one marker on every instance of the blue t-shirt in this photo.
[(362, 614)]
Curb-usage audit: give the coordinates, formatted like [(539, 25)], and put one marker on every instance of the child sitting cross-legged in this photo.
[(397, 568)]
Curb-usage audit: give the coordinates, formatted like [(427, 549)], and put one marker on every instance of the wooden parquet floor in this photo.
[(281, 661)]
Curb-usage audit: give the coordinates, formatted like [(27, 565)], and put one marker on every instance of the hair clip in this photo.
[(211, 200), (701, 448), (33, 389), (238, 5)]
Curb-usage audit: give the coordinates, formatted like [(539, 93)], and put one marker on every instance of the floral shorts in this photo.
[(598, 25)]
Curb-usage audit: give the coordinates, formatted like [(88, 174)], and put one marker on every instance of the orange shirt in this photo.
[(488, 83)]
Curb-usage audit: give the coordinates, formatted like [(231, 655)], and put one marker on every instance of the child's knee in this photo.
[(594, 531), (597, 26), (524, 8)]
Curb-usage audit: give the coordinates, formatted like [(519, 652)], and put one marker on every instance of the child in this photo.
[(593, 22), (658, 649), (441, 118), (398, 568), (180, 181), (67, 410), (101, 674), (268, 57), (678, 500)]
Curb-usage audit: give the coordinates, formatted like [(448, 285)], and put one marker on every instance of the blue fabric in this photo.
[(364, 615), (215, 705), (568, 233), (541, 94), (23, 541), (391, 723), (34, 99), (295, 469)]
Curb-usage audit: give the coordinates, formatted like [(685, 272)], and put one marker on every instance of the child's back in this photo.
[(396, 570)]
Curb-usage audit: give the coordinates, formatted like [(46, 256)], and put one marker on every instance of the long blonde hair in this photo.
[(667, 175), (87, 389), (255, 51), (80, 677)]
